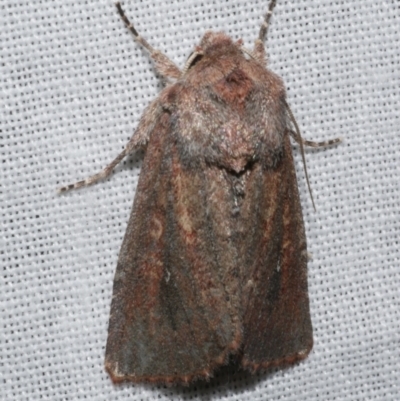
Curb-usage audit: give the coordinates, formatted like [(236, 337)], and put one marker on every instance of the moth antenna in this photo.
[(164, 65), (297, 137), (265, 25), (135, 33), (259, 48)]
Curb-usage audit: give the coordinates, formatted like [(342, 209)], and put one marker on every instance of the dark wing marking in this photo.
[(276, 319), (174, 313)]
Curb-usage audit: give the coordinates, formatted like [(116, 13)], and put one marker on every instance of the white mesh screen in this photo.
[(73, 86)]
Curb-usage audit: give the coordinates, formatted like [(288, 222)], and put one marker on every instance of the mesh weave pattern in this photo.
[(73, 86)]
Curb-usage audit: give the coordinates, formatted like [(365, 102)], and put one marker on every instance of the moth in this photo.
[(214, 259)]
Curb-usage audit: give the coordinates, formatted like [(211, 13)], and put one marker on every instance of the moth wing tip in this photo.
[(281, 362)]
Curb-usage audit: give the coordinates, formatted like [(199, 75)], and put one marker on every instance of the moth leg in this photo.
[(313, 144), (259, 49), (297, 137), (138, 140), (97, 177), (164, 65)]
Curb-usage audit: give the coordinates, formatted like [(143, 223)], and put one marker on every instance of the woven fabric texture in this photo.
[(73, 87)]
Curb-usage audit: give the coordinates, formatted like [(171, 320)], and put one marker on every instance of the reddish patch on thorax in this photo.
[(234, 89)]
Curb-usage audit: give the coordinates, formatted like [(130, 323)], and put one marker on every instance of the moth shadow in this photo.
[(228, 379), (131, 162)]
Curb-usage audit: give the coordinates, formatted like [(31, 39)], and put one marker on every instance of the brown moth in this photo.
[(214, 259)]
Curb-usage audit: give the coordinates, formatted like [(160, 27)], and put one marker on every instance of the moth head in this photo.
[(213, 45)]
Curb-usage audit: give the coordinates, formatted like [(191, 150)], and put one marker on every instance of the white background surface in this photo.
[(73, 86)]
